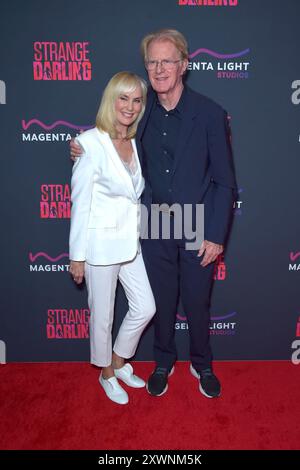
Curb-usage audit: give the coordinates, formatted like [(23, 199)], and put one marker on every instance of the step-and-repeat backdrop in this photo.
[(56, 58)]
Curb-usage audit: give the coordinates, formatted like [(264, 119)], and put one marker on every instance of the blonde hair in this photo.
[(172, 35), (122, 82)]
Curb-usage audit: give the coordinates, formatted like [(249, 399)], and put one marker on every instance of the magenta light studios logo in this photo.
[(296, 345), (65, 323), (294, 264), (66, 61), (219, 325), (42, 262), (208, 3), (229, 66), (36, 130)]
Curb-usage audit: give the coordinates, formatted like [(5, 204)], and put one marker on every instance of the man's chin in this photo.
[(160, 87)]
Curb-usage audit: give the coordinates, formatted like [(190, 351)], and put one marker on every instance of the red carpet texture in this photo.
[(62, 406)]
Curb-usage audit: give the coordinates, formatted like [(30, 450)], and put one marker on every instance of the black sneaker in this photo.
[(157, 383), (209, 384)]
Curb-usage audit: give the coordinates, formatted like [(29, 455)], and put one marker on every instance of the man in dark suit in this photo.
[(183, 142)]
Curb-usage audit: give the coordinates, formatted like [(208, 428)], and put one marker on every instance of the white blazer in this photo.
[(105, 214)]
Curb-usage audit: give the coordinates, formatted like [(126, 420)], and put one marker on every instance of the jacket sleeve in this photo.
[(223, 177), (83, 175)]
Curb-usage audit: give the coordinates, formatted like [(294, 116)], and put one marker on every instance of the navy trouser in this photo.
[(174, 271)]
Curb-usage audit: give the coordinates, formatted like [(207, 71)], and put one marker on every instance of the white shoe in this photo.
[(113, 390), (126, 374)]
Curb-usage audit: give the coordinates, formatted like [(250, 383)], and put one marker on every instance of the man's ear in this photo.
[(185, 63)]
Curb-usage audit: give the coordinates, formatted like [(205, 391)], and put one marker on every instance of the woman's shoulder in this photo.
[(92, 138), (87, 136)]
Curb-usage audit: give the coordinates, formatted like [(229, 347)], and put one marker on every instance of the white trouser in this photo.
[(101, 284)]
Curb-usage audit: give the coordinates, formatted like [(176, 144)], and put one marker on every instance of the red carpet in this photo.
[(62, 406)]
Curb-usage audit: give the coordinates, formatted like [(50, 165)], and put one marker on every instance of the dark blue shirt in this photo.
[(159, 143)]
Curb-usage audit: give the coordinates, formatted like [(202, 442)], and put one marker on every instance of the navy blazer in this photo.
[(203, 171)]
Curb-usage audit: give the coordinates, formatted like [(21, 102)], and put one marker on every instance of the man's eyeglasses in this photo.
[(165, 63)]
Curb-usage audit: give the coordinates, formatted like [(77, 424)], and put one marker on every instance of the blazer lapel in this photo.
[(116, 160), (141, 127), (150, 101), (141, 182)]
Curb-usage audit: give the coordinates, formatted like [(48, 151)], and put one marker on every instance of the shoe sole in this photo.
[(166, 387), (160, 394), (195, 374), (110, 397), (205, 394)]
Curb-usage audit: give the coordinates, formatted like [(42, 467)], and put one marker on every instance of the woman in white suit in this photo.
[(104, 236)]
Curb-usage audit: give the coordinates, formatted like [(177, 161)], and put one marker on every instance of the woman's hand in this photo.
[(77, 271)]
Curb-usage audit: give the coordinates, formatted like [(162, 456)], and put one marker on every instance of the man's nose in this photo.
[(159, 66)]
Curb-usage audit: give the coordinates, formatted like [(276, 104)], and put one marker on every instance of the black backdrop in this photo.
[(246, 57)]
